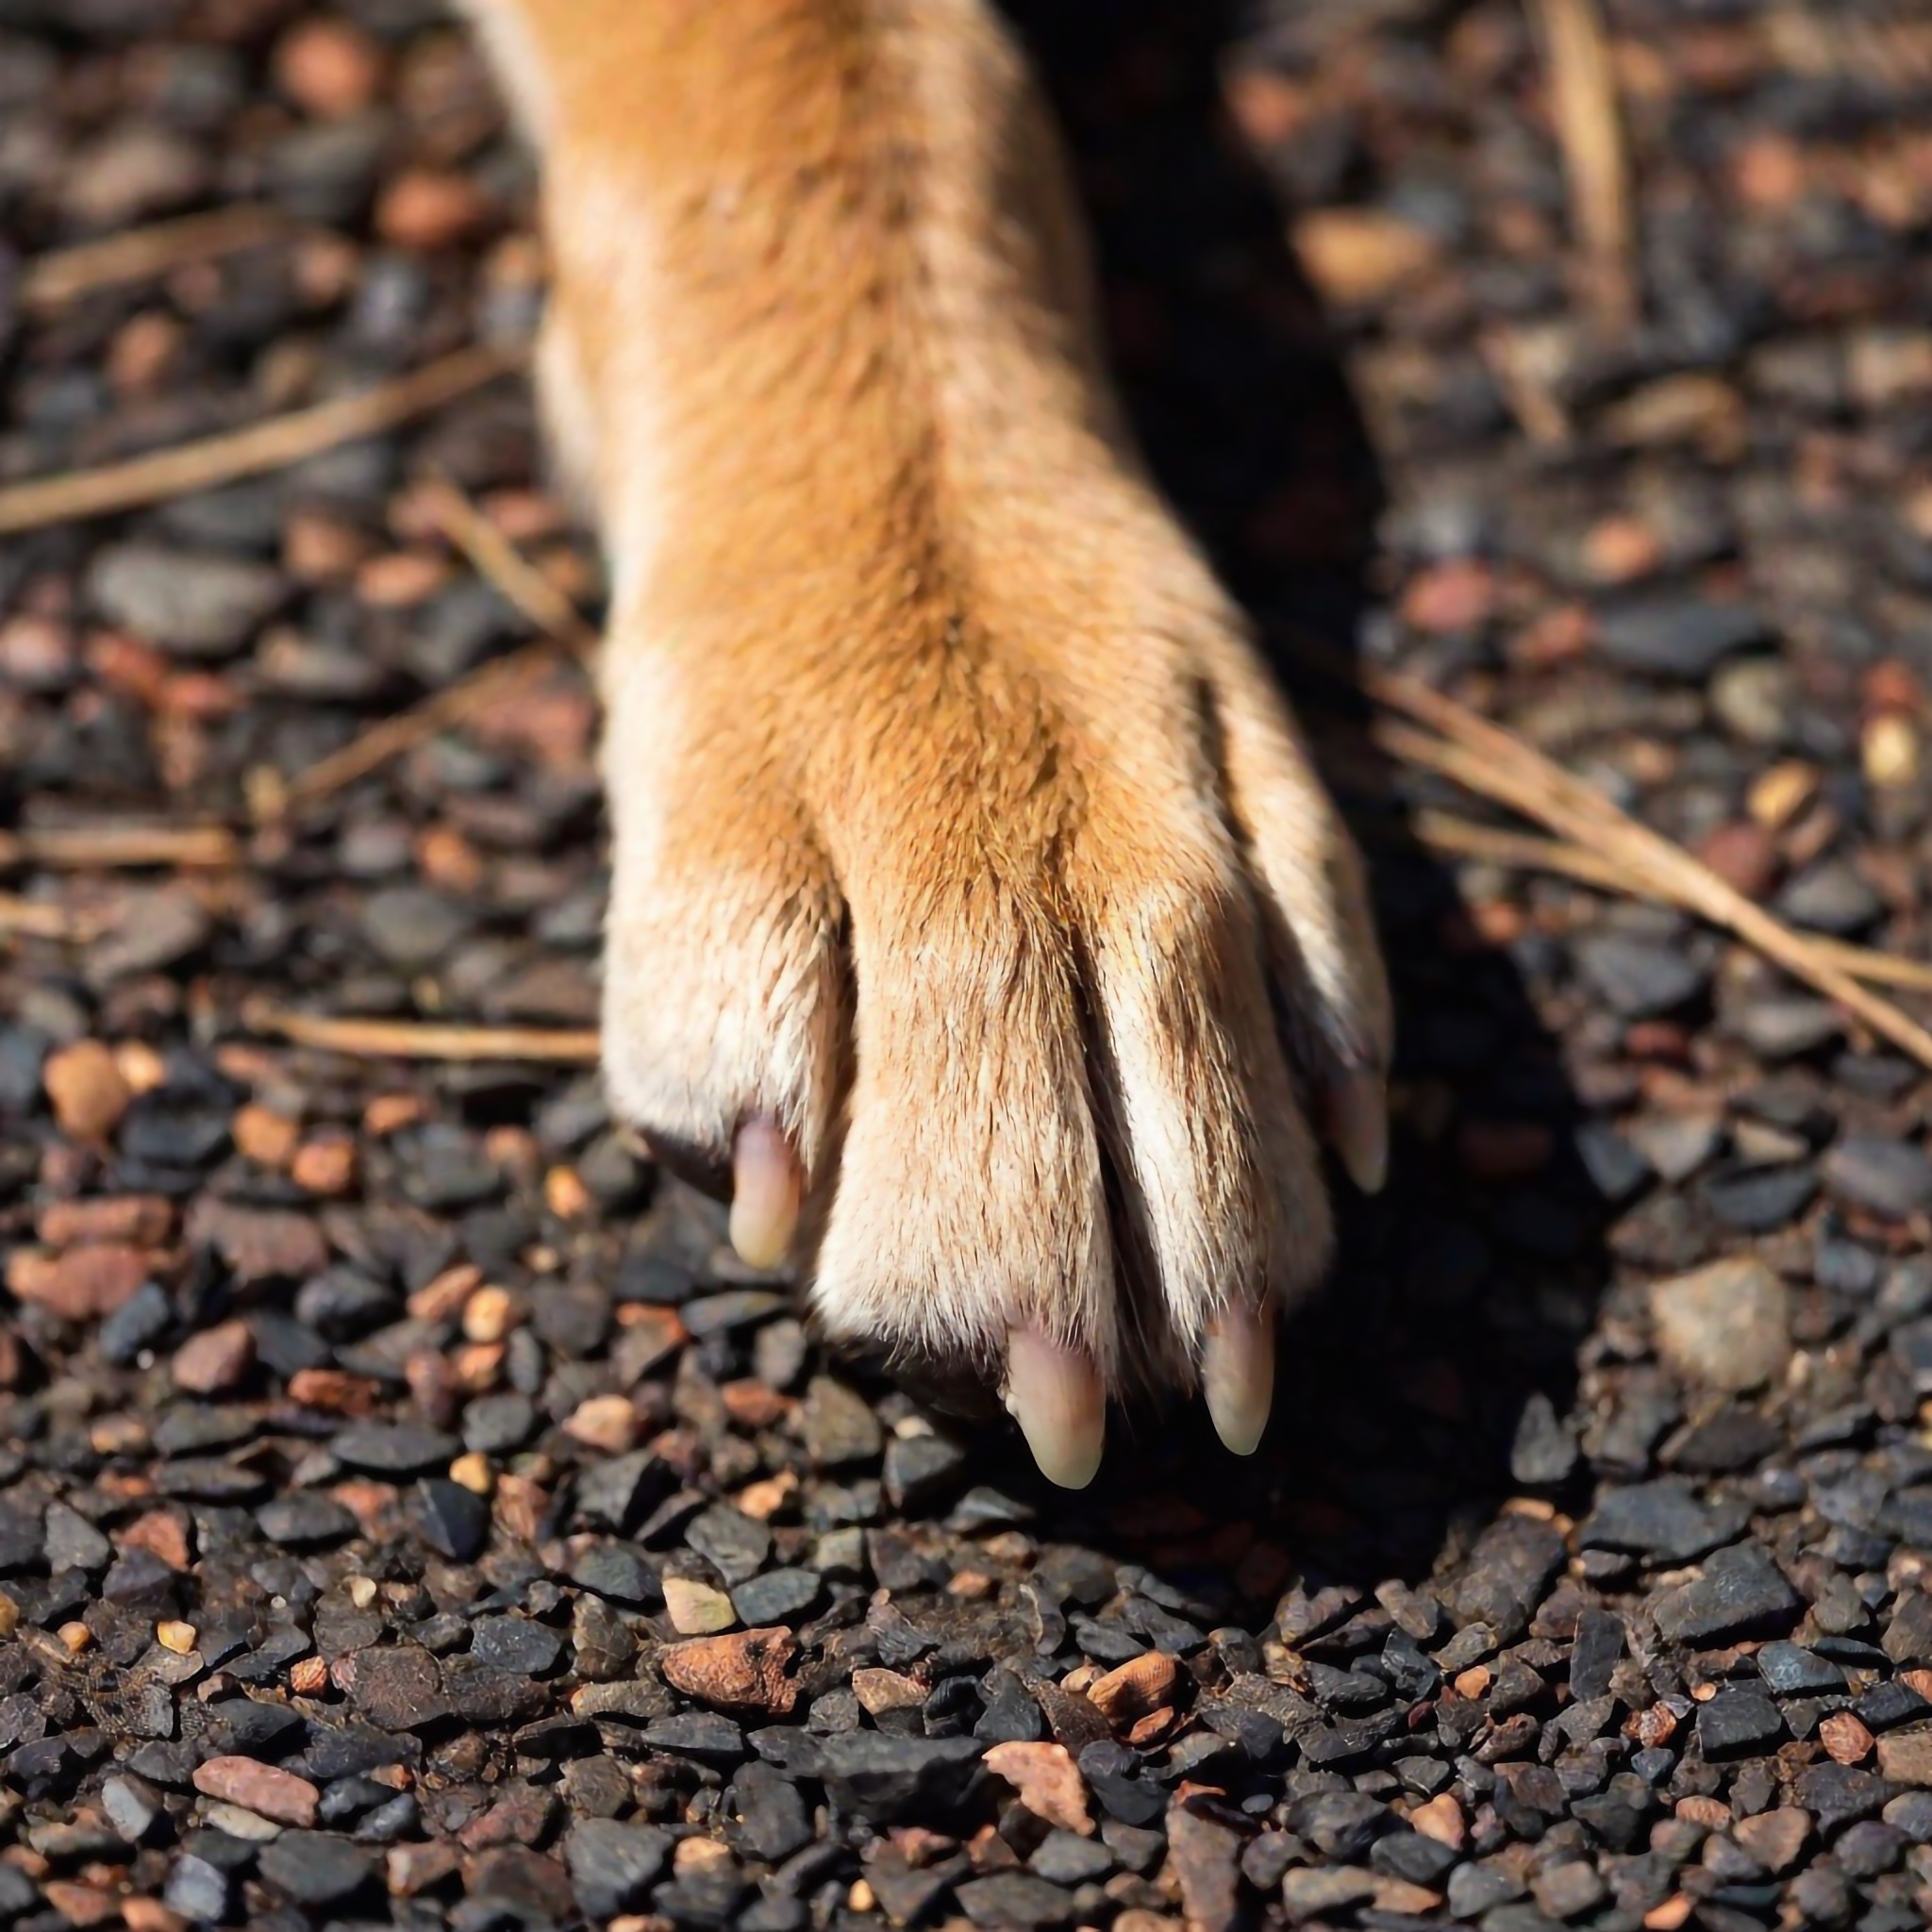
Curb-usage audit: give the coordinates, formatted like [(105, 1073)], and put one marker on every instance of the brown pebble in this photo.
[(388, 1113), (215, 1359), (266, 1789), (308, 1677), (80, 1904), (1905, 1756), (752, 1404), (741, 1671), (490, 1313), (325, 1165), (258, 1243), (1451, 598), (1441, 1819), (427, 208), (1775, 1838), (142, 1221), (262, 1135), (446, 1294), (410, 1868), (520, 1507), (86, 1089), (1845, 1738), (162, 1534), (335, 1391), (1403, 1898), (151, 1915), (400, 579), (477, 1365), (84, 1283), (319, 549), (1048, 1781), (329, 67), (565, 1194), (880, 1690), (1777, 796), (171, 1633), (1712, 1813), (1360, 254), (1890, 751), (650, 1334), (1620, 548), (1133, 1690), (1652, 1727), (1743, 855), (604, 1421), (117, 1434)]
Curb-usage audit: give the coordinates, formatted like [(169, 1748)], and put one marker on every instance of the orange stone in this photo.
[(1845, 1738), (142, 1221), (84, 1283), (266, 1789), (86, 1089), (335, 1391), (426, 208), (1131, 1691), (1048, 1781), (1441, 1819), (162, 1534), (744, 1669), (329, 66), (325, 1165), (214, 1360)]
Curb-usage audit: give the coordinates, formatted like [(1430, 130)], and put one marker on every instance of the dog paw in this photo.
[(1009, 989)]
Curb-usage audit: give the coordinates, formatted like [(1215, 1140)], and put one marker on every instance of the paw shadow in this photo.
[(1461, 1296)]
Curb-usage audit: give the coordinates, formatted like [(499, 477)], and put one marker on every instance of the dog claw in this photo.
[(765, 1192), (1358, 1126), (1054, 1394), (1237, 1376)]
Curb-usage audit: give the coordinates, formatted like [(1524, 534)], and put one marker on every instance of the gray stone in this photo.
[(1726, 1327), (1742, 1593), (612, 1865), (196, 603)]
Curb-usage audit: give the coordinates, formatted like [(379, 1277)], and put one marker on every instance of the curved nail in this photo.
[(1358, 1126), (1237, 1375), (765, 1189), (1054, 1394)]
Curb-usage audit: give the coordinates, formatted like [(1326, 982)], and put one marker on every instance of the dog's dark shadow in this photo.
[(1453, 1303)]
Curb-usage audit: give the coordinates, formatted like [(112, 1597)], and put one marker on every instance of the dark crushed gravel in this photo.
[(395, 1437)]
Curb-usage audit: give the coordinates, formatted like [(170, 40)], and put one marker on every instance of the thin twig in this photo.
[(1494, 765), (112, 847), (36, 919), (270, 446), (525, 588), (141, 254), (503, 566), (416, 1039), (1461, 838), (372, 749), (1583, 100)]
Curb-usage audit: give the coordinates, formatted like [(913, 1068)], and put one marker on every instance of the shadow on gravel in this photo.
[(1460, 1297)]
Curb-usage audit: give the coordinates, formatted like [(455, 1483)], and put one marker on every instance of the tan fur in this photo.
[(956, 824)]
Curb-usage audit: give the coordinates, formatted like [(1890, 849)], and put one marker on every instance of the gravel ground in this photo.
[(410, 1514)]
